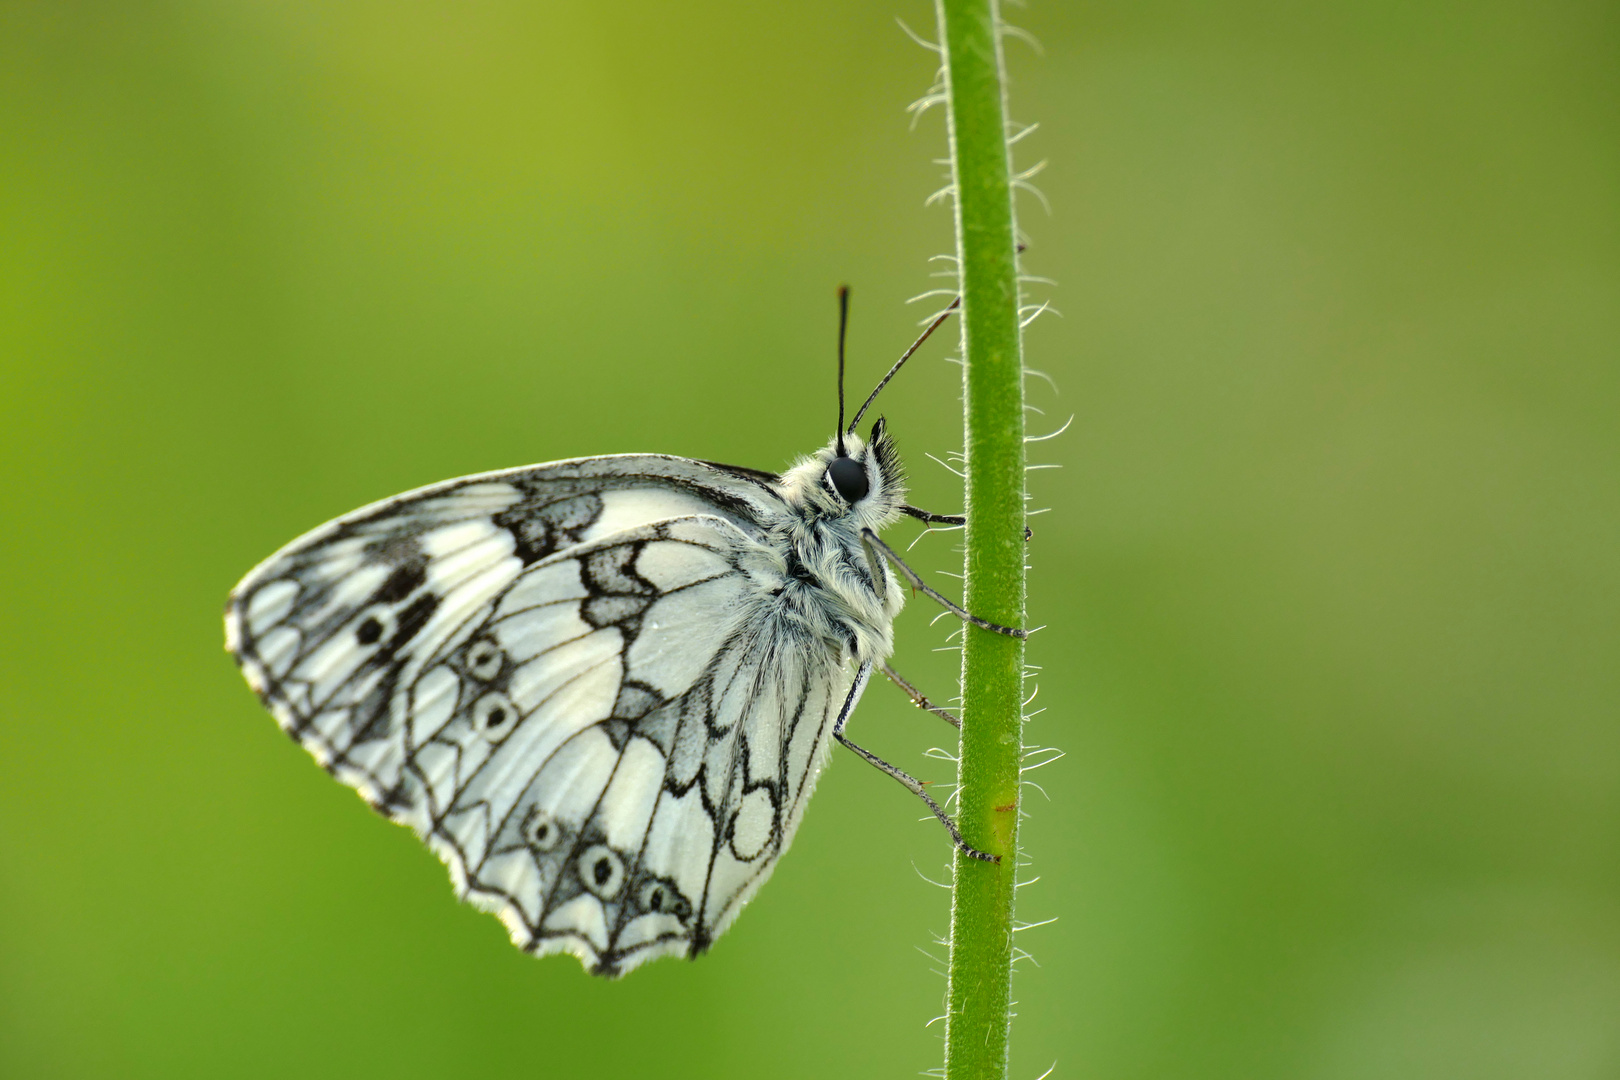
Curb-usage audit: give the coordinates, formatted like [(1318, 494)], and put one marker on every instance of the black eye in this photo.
[(849, 479)]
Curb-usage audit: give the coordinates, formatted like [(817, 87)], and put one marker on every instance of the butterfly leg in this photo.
[(870, 539), (911, 783), (918, 699), (948, 519), (933, 519)]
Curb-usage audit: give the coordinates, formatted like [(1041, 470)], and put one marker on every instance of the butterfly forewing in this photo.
[(564, 680)]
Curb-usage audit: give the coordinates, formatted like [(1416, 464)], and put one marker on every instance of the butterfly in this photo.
[(601, 689)]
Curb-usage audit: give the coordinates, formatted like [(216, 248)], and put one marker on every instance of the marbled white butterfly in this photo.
[(600, 689)]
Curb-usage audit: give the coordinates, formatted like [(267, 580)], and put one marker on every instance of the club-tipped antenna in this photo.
[(843, 324), (915, 345)]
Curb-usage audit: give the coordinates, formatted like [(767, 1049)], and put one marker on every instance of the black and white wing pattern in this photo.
[(568, 680)]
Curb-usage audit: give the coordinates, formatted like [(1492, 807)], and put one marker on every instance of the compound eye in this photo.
[(849, 479)]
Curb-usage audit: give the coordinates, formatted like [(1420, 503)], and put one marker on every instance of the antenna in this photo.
[(843, 323), (915, 345)]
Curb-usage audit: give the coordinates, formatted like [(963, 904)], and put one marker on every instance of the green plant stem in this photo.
[(980, 976)]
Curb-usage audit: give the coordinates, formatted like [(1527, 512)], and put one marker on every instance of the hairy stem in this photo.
[(980, 976)]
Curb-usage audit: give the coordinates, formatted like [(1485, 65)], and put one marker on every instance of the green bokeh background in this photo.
[(1331, 570)]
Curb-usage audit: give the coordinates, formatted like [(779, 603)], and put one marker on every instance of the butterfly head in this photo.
[(854, 481), (854, 478)]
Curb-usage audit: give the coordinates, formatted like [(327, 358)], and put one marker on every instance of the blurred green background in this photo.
[(1331, 568)]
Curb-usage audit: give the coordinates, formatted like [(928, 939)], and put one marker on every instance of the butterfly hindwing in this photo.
[(586, 661)]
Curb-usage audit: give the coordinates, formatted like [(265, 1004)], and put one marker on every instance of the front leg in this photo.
[(946, 519), (932, 519)]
